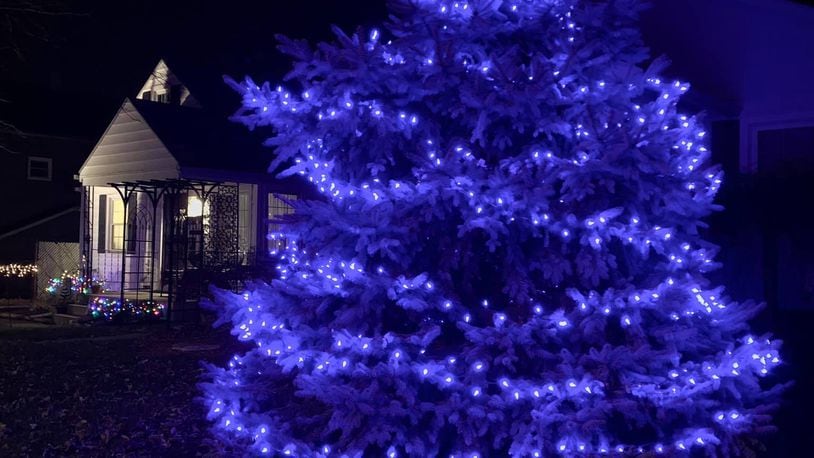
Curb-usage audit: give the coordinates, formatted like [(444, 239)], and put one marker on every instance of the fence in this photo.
[(54, 258)]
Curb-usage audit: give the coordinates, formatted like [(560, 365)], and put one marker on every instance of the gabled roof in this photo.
[(164, 84), (152, 140), (129, 150), (196, 138), (204, 80)]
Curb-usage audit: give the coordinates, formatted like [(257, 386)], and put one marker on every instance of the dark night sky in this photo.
[(105, 52), (72, 83), (103, 45)]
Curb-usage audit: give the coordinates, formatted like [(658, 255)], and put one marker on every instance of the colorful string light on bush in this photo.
[(79, 284), (109, 308)]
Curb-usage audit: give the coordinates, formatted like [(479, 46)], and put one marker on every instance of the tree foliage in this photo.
[(507, 258)]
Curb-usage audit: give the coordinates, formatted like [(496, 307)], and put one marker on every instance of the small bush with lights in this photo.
[(111, 308)]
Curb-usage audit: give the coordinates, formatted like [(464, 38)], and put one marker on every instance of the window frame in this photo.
[(47, 160), (112, 224), (244, 221), (752, 124), (282, 243)]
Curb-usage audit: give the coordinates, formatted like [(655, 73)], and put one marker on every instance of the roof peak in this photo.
[(164, 86)]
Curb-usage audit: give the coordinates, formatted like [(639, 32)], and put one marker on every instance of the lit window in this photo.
[(195, 207), (277, 208), (39, 168), (243, 226), (116, 224)]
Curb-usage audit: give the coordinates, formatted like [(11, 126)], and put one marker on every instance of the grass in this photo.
[(125, 391), (106, 391)]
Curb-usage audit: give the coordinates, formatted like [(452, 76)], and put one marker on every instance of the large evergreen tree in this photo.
[(506, 260)]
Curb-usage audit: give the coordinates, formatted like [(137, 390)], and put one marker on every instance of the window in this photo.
[(244, 223), (762, 136), (39, 168), (784, 165), (785, 151), (277, 208), (116, 224), (195, 206)]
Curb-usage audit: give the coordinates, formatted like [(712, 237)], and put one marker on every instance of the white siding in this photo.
[(107, 264), (128, 151), (159, 83)]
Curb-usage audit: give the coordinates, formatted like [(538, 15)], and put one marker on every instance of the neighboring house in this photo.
[(45, 135), (175, 197), (40, 200), (750, 63)]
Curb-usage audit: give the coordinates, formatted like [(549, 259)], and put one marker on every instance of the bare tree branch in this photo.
[(20, 19), (35, 10), (29, 18)]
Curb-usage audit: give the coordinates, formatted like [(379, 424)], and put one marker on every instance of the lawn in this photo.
[(107, 390), (131, 390)]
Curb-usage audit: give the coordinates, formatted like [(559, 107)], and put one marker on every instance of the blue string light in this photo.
[(556, 151)]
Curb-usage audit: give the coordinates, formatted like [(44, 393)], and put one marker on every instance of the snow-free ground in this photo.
[(107, 390), (131, 390)]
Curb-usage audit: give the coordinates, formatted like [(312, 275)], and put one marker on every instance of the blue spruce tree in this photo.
[(505, 259)]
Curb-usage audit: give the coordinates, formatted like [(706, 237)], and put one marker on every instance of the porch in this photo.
[(173, 200), (156, 245)]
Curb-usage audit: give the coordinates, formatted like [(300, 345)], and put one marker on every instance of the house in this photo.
[(175, 197), (40, 151), (750, 64), (751, 61), (41, 168)]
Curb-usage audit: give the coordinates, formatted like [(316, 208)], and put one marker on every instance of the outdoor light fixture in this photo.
[(194, 207)]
